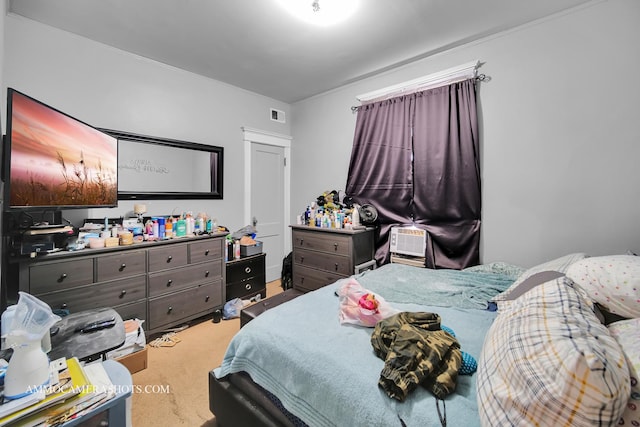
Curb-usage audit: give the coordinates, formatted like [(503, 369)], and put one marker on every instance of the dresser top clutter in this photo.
[(164, 270)]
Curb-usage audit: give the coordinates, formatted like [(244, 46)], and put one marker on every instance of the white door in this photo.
[(267, 183), (267, 198)]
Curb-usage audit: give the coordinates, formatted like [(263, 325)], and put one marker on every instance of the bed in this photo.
[(297, 364)]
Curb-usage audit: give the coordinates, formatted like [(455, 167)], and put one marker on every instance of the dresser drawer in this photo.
[(179, 278), (120, 265), (206, 250), (136, 310), (60, 275), (245, 268), (169, 256), (108, 294), (329, 262), (246, 288), (310, 279), (323, 242), (170, 309)]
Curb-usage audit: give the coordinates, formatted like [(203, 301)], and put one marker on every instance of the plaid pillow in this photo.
[(547, 359)]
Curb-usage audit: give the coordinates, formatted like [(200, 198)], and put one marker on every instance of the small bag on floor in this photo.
[(232, 308)]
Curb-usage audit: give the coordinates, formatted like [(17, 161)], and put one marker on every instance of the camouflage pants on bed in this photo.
[(416, 351)]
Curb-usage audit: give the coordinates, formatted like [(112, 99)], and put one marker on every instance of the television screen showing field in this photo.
[(57, 160)]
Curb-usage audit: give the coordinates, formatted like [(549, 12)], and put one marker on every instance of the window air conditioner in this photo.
[(409, 241)]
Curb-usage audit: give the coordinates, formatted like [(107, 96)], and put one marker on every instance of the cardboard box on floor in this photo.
[(135, 362), (133, 353)]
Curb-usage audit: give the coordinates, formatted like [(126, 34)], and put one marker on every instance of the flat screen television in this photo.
[(54, 161)]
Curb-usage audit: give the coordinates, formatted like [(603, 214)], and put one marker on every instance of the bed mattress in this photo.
[(326, 373)]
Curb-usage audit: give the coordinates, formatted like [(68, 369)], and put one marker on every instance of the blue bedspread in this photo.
[(326, 373), (444, 288)]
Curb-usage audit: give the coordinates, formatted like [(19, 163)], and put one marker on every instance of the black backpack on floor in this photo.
[(287, 272)]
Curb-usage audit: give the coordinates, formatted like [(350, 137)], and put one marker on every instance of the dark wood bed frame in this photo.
[(236, 399)]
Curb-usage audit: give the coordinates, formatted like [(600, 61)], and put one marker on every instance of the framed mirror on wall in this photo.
[(153, 168)]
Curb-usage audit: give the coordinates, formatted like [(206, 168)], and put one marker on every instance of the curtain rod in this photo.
[(448, 76)]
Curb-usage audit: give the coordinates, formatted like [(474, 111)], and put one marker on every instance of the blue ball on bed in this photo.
[(469, 364)]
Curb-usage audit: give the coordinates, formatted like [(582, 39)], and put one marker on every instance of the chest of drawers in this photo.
[(164, 283), (246, 277), (323, 255)]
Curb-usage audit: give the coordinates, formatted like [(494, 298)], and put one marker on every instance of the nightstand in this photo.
[(246, 277)]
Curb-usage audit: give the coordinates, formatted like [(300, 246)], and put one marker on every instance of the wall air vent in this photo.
[(277, 115)]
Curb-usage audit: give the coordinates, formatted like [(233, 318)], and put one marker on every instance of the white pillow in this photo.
[(626, 332), (612, 281), (548, 359)]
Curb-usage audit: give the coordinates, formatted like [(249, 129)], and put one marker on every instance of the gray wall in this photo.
[(560, 140), (559, 137), (109, 88)]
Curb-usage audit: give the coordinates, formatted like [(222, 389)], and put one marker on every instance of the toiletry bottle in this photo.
[(168, 228), (181, 228), (189, 224), (161, 228)]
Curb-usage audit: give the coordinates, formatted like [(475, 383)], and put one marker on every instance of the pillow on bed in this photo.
[(559, 264), (626, 333), (548, 358), (612, 281)]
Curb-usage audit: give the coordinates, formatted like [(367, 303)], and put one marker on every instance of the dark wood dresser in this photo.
[(323, 255), (164, 283)]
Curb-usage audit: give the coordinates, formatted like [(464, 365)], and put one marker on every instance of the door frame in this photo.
[(250, 136)]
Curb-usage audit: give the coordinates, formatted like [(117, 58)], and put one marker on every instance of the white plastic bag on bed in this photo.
[(359, 306)]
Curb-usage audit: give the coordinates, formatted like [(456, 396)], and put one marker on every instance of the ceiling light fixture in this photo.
[(321, 12)]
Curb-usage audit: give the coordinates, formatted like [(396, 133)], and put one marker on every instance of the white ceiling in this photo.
[(256, 45)]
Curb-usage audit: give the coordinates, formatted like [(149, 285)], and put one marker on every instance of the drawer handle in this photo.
[(169, 282), (64, 306), (123, 293), (62, 277), (206, 299), (335, 246), (169, 258), (247, 286), (301, 242), (336, 266), (301, 259), (247, 270), (206, 253), (123, 266), (206, 273), (170, 309)]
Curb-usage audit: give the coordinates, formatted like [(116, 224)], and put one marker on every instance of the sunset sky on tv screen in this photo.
[(52, 149)]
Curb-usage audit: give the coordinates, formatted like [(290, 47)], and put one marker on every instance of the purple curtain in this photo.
[(380, 168), (440, 189), (446, 196)]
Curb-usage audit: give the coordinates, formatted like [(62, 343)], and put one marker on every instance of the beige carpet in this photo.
[(174, 389)]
